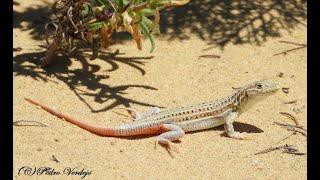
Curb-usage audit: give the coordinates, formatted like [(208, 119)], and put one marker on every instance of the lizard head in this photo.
[(261, 88), (256, 92)]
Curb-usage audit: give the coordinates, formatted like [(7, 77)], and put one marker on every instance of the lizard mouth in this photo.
[(273, 88)]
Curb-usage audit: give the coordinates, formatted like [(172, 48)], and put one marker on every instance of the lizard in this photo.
[(172, 124)]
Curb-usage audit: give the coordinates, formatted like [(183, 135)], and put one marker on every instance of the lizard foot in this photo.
[(239, 136), (171, 133), (171, 145)]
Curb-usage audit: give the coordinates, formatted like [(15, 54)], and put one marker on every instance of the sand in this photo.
[(173, 75)]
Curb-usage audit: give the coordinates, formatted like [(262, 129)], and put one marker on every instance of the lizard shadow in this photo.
[(27, 64), (152, 136), (238, 126)]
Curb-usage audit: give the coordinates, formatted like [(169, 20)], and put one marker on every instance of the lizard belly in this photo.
[(201, 124)]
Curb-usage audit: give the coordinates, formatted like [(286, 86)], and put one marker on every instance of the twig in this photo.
[(295, 153), (288, 42), (285, 52), (17, 49), (210, 56), (70, 15), (54, 159), (16, 122), (284, 138), (273, 148), (290, 126), (290, 102), (291, 117), (286, 125), (287, 149), (295, 130), (111, 3)]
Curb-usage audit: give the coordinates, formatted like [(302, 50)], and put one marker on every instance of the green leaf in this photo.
[(120, 4), (134, 2), (94, 26), (145, 30), (155, 4), (148, 22), (86, 10), (146, 12)]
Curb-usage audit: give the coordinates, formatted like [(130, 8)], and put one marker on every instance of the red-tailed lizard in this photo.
[(172, 124)]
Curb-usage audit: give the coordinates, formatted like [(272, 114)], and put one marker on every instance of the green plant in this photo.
[(94, 21)]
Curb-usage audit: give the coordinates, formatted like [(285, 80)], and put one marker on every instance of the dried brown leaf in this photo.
[(136, 35), (175, 3), (105, 36), (127, 22), (114, 21), (156, 20), (90, 37)]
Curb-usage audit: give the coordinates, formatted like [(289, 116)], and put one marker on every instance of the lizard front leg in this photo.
[(173, 133), (228, 126)]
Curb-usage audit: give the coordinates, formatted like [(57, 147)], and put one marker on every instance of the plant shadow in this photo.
[(236, 22), (27, 64), (33, 19)]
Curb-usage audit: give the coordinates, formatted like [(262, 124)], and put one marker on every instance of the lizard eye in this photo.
[(259, 86)]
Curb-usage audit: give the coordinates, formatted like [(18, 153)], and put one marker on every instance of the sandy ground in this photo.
[(173, 75)]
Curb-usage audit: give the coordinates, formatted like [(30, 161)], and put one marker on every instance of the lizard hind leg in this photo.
[(151, 111), (173, 133), (137, 116)]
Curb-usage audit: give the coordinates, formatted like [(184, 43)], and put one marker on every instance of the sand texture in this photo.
[(175, 74)]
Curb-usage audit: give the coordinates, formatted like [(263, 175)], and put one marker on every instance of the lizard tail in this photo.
[(104, 131)]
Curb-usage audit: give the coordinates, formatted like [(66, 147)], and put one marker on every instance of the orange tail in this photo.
[(104, 131)]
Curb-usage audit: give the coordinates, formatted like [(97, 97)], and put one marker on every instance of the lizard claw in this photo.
[(239, 136), (243, 138), (171, 146), (136, 115)]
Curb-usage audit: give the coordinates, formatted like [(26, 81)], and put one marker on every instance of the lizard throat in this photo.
[(249, 101)]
